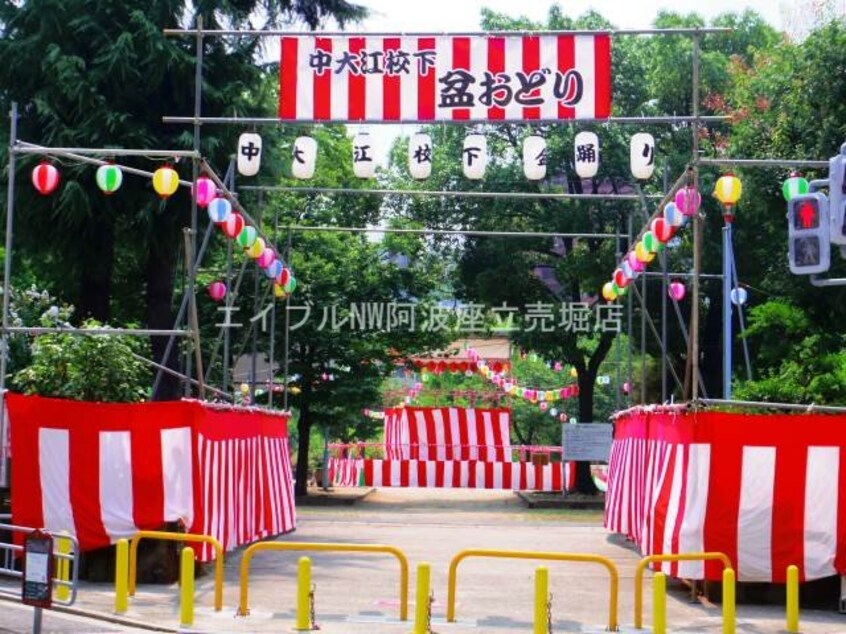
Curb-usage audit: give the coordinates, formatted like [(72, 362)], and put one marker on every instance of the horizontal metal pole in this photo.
[(276, 121), (26, 148), (822, 283), (762, 162), (279, 33), (798, 407), (715, 276), (132, 332), (457, 194), (455, 232), (173, 372)]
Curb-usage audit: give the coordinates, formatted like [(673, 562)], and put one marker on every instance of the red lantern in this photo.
[(497, 367), (463, 366), (453, 367), (620, 278), (45, 178), (662, 229), (233, 225)]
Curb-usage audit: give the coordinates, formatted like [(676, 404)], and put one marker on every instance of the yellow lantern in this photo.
[(728, 189), (574, 372), (165, 181), (550, 395), (279, 291), (256, 248), (608, 292), (643, 254), (513, 390)]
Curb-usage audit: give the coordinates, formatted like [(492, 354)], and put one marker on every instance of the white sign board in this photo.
[(587, 442)]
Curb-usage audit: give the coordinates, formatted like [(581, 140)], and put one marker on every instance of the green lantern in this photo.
[(247, 237), (651, 243), (109, 178), (794, 186), (290, 285)]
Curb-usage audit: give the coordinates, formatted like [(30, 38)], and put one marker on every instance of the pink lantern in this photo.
[(204, 191), (636, 264), (558, 367), (45, 178), (627, 387), (217, 291), (543, 406), (677, 290), (620, 278), (662, 229), (266, 258), (688, 200), (233, 225)]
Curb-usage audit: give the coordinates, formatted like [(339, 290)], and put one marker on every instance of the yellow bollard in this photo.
[(63, 568), (121, 576), (729, 616), (186, 587), (659, 603), (421, 606), (303, 595), (541, 600), (792, 599)]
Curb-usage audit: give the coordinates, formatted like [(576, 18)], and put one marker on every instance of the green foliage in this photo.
[(85, 367)]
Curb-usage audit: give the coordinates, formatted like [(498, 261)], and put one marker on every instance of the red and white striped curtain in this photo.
[(767, 490)]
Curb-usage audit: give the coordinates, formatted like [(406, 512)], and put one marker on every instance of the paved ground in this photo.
[(358, 594)]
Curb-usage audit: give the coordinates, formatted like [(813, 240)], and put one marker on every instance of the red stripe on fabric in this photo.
[(481, 444), (27, 507), (456, 474), (461, 61), (674, 539), (721, 516), (426, 84), (440, 468), (322, 85), (386, 474), (84, 443), (288, 68), (422, 474), (788, 545), (531, 62), (496, 64), (840, 554), (368, 473), (463, 436), (357, 90), (507, 471), (268, 487), (538, 477), (405, 468), (431, 435), (391, 85), (557, 476), (602, 76), (147, 484), (471, 474), (566, 61), (411, 425), (489, 475), (662, 503)]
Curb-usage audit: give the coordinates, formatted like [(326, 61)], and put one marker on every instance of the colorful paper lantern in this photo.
[(636, 264), (586, 148), (205, 191), (256, 248), (291, 285), (643, 254), (728, 189), (651, 242), (677, 290), (45, 178), (620, 278), (282, 277), (642, 155), (544, 406), (573, 372), (794, 186), (304, 157), (217, 291), (274, 269), (249, 154), (420, 156), (474, 156), (278, 291), (219, 210), (364, 163), (662, 229), (233, 225), (247, 237), (688, 200), (738, 296), (109, 178), (673, 215), (534, 157), (266, 257), (165, 181)]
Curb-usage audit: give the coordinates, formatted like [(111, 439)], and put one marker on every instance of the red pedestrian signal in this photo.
[(809, 248), (808, 214)]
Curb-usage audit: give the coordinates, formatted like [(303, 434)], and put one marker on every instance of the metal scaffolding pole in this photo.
[(697, 236), (345, 34)]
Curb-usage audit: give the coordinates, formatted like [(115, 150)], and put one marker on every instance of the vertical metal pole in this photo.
[(270, 381), (630, 318), (617, 342), (36, 621), (643, 311), (7, 286), (736, 284), (192, 316), (665, 285), (727, 311), (254, 347), (230, 295), (697, 233), (287, 326)]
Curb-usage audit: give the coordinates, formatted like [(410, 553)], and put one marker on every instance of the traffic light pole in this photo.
[(727, 325)]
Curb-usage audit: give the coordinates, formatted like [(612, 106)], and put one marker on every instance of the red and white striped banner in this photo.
[(436, 78), (105, 471), (767, 490), (448, 433)]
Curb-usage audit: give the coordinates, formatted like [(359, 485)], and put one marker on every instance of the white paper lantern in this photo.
[(249, 154), (642, 155), (420, 156), (586, 152), (474, 157), (304, 157), (364, 164), (534, 157)]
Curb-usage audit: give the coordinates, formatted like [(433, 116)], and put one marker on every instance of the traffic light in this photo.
[(837, 195), (808, 232)]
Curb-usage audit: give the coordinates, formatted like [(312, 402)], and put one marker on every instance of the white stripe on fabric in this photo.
[(478, 66), (116, 509), (755, 519), (673, 506), (505, 435), (514, 62), (284, 498), (547, 477), (405, 435), (529, 484), (448, 474), (54, 472), (627, 486), (275, 488), (396, 478), (412, 473), (443, 64), (422, 434), (585, 58), (408, 81), (490, 440), (692, 533), (177, 475), (229, 503), (440, 434), (664, 466), (480, 475), (374, 89), (472, 439), (497, 475), (377, 473), (305, 78), (340, 107), (549, 59), (431, 474), (202, 448), (822, 482)]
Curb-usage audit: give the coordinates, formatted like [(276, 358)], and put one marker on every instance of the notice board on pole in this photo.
[(587, 442)]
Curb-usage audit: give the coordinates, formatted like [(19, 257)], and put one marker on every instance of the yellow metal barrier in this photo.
[(421, 606), (179, 537), (641, 565), (63, 545), (243, 608), (729, 616), (659, 603), (528, 554), (121, 567), (186, 587), (792, 599), (541, 600), (303, 594)]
